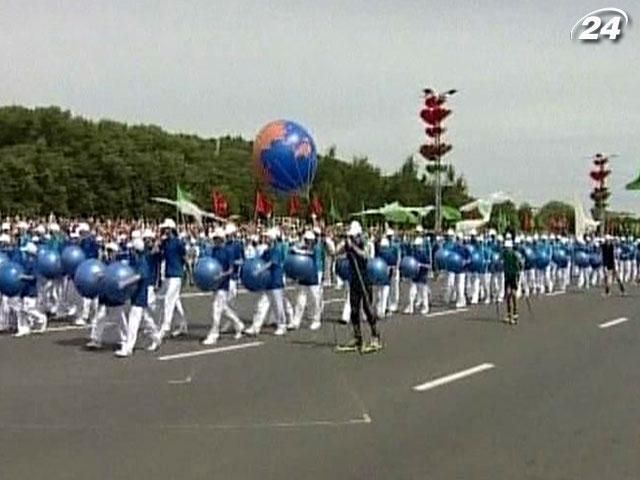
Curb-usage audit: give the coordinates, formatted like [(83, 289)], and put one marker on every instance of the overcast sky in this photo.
[(532, 103)]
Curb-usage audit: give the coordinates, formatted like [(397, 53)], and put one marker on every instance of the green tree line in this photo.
[(53, 161)]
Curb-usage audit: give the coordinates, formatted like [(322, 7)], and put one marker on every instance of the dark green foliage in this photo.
[(51, 161)]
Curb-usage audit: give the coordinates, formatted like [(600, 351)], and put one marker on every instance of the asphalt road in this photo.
[(553, 398)]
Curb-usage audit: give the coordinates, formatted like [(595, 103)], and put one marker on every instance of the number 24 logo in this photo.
[(594, 28)]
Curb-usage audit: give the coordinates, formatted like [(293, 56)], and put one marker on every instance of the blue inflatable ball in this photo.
[(343, 269), (110, 284), (542, 260), (207, 274), (471, 249), (72, 256), (88, 277), (389, 255), (3, 258), (497, 264), (378, 271), (582, 259), (10, 281), (299, 267), (595, 260), (477, 262), (529, 255), (560, 258), (455, 262), (253, 275), (441, 258), (409, 268), (49, 263)]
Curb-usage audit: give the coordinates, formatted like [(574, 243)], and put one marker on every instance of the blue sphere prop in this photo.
[(582, 259), (10, 281), (300, 267), (560, 258), (389, 255), (72, 256), (477, 262), (409, 268), (378, 271), (441, 258), (595, 260), (253, 275), (529, 256), (343, 269), (110, 284), (542, 260), (207, 274), (455, 262), (285, 157), (497, 263), (88, 276), (49, 263)]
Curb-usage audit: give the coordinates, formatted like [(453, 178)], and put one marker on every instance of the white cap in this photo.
[(389, 232), (354, 229), (493, 232), (384, 242), (122, 237), (83, 227), (147, 233), (168, 223), (218, 232), (418, 241), (138, 244), (230, 228), (6, 226), (309, 235), (544, 236), (317, 230), (40, 229), (5, 238), (30, 248), (500, 238), (136, 234), (113, 246), (473, 232), (508, 244), (36, 238), (99, 239), (22, 225), (272, 233), (508, 236), (54, 227), (450, 232), (419, 229), (73, 234)]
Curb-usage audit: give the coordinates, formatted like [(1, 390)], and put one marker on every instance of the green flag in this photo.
[(635, 185)]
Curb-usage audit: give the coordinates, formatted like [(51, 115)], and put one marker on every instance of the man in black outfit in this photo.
[(360, 293), (609, 263)]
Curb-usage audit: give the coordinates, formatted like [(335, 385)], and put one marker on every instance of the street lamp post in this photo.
[(433, 113)]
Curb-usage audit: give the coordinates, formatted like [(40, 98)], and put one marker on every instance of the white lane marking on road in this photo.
[(180, 382), (66, 328), (553, 294), (453, 377), (209, 351), (447, 312), (612, 323)]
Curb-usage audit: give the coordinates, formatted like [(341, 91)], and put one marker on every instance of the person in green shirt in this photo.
[(512, 267)]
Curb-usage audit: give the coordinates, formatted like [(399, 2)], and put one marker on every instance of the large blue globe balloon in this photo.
[(497, 263), (477, 262), (343, 269), (377, 271), (441, 258), (542, 259), (253, 275), (87, 277), (72, 256), (389, 255), (49, 263), (455, 262), (300, 267), (560, 257), (595, 260), (582, 259), (110, 285), (206, 274), (409, 268), (284, 155), (10, 281)]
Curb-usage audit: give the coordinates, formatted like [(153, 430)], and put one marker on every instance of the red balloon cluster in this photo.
[(433, 113), (599, 173)]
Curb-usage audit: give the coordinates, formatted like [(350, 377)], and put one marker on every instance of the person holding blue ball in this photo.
[(29, 316), (174, 255)]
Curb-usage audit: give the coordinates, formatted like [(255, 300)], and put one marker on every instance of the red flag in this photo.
[(294, 206), (219, 204), (315, 207), (264, 206)]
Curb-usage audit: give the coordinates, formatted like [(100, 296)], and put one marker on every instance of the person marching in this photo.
[(309, 287), (221, 295), (609, 263), (512, 269), (174, 252), (138, 313), (360, 293), (91, 250), (29, 316), (419, 290)]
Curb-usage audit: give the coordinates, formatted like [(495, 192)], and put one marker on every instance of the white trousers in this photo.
[(220, 306), (450, 289), (302, 300), (30, 316), (394, 291), (382, 299), (418, 298), (138, 316), (269, 300), (461, 300), (103, 316), (172, 303)]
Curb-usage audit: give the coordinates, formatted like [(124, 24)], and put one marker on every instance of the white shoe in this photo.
[(210, 340), (251, 331), (237, 335), (424, 312), (72, 311), (80, 322), (408, 311), (122, 353), (280, 331), (22, 333), (315, 325), (180, 331), (155, 344), (93, 345), (293, 326)]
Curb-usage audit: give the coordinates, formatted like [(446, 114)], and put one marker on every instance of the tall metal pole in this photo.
[(438, 222)]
